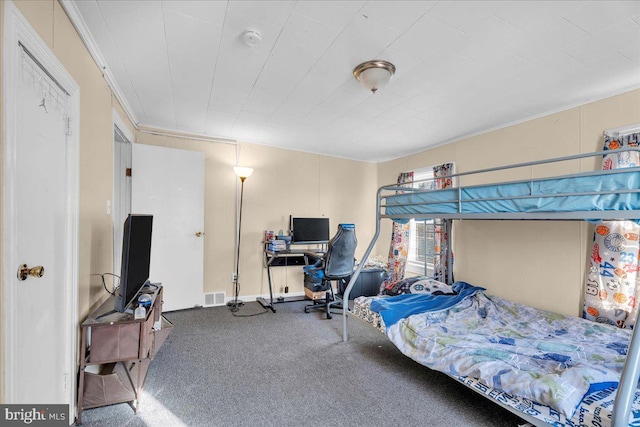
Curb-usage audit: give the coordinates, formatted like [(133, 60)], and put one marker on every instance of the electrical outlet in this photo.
[(234, 277)]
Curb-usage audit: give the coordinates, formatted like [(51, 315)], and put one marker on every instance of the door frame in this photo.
[(120, 125), (18, 30)]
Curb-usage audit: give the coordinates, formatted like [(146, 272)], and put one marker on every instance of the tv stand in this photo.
[(113, 367), (109, 313)]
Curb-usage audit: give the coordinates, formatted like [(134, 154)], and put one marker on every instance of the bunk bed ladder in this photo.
[(356, 273)]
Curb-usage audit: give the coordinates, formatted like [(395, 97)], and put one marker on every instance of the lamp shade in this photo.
[(243, 172), (374, 74)]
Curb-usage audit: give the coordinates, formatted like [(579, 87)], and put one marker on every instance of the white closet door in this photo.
[(169, 184), (38, 357)]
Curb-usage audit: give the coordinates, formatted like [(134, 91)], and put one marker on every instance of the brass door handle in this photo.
[(25, 271), (199, 234)]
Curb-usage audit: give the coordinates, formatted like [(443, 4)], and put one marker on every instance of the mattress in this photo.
[(593, 409), (595, 191)]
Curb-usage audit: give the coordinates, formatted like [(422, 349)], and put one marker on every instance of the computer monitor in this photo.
[(310, 230)]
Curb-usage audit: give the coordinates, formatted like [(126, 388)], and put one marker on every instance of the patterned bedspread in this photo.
[(362, 310), (541, 363)]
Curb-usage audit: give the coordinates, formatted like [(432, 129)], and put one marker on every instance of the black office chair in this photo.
[(336, 264)]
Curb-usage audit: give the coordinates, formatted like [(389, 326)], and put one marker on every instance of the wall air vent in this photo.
[(214, 298)]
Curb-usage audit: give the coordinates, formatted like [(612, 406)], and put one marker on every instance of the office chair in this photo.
[(336, 264)]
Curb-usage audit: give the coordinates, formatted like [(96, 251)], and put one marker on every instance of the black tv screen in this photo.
[(136, 257), (310, 230)]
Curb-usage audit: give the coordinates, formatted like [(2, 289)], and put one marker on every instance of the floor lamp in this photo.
[(242, 173)]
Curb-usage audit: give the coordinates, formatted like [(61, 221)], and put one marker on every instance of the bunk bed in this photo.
[(592, 196)]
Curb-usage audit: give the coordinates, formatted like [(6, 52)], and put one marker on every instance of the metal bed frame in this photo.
[(631, 372)]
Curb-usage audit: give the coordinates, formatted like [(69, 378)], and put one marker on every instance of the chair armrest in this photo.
[(313, 258)]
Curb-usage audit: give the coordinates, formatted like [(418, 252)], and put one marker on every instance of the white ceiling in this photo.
[(463, 67)]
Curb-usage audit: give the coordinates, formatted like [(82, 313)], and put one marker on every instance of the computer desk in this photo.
[(283, 258)]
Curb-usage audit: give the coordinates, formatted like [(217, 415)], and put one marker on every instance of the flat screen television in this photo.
[(136, 257), (310, 230)]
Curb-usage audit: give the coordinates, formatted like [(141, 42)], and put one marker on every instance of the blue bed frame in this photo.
[(600, 195)]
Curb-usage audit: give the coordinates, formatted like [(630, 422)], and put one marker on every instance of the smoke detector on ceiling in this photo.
[(252, 38)]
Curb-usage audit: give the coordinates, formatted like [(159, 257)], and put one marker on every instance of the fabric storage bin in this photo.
[(106, 384), (114, 342), (164, 326)]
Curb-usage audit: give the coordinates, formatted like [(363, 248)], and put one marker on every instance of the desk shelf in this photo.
[(289, 257), (292, 260)]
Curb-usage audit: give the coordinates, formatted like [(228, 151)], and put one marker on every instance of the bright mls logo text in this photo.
[(37, 414)]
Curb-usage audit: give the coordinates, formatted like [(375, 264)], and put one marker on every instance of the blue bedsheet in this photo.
[(446, 201)]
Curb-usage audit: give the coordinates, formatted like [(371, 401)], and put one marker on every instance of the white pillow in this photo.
[(429, 286)]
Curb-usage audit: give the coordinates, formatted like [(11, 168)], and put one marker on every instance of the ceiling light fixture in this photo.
[(374, 74), (252, 38)]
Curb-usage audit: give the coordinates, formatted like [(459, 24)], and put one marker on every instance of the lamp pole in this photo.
[(242, 173)]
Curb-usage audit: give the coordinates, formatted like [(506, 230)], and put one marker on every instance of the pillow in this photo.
[(419, 285)]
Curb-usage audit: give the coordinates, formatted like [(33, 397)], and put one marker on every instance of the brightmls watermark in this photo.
[(34, 415)]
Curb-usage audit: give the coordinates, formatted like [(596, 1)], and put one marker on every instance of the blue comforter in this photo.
[(396, 308), (542, 356)]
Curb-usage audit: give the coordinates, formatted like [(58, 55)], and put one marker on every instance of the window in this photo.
[(422, 243)]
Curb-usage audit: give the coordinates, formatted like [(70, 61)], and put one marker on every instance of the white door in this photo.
[(40, 207), (169, 184)]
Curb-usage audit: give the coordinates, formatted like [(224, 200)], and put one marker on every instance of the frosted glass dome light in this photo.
[(374, 74)]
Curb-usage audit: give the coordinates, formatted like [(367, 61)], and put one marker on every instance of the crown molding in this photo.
[(81, 27), (174, 133)]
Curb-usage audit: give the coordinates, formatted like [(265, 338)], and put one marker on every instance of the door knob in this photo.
[(25, 271), (199, 234)]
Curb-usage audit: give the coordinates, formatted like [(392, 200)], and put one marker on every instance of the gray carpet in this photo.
[(292, 369)]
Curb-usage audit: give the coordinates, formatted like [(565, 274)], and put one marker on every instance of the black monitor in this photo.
[(310, 230), (136, 257)]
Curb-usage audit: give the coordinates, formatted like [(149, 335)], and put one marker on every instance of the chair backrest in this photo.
[(340, 257)]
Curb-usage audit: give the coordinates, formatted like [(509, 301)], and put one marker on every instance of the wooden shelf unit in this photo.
[(116, 351)]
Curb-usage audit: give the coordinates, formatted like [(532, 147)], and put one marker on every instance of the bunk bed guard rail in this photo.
[(595, 195)]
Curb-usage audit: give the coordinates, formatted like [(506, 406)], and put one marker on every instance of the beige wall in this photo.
[(301, 184), (541, 263), (284, 182)]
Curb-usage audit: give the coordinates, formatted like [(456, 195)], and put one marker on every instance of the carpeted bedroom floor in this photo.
[(290, 369)]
